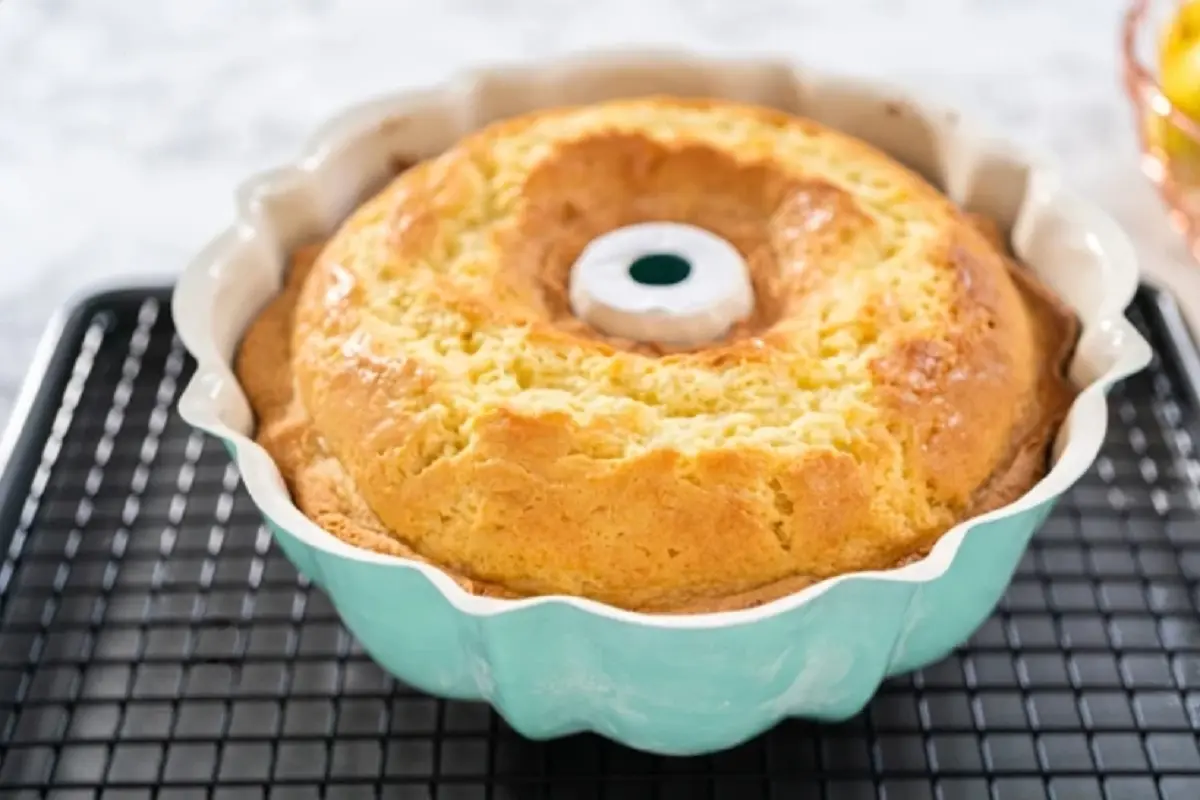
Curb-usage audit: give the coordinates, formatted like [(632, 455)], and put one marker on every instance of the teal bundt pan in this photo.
[(668, 684)]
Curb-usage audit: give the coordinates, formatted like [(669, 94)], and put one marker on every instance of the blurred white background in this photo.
[(125, 125)]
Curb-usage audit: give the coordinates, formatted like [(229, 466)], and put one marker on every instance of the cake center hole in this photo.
[(660, 269)]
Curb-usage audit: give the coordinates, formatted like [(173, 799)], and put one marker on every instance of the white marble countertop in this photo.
[(126, 124)]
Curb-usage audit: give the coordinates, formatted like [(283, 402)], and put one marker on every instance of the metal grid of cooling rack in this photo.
[(153, 642)]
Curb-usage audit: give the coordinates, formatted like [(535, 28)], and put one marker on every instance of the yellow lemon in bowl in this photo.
[(1179, 77)]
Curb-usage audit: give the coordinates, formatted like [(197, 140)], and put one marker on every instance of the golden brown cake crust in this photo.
[(426, 393)]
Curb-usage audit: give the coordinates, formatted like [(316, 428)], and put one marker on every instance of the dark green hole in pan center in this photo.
[(660, 269)]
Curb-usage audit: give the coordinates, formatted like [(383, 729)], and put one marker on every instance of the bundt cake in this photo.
[(427, 388)]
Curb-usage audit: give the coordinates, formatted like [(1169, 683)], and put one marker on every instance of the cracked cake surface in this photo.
[(426, 392)]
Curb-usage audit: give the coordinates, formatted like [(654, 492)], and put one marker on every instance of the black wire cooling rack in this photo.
[(154, 643)]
